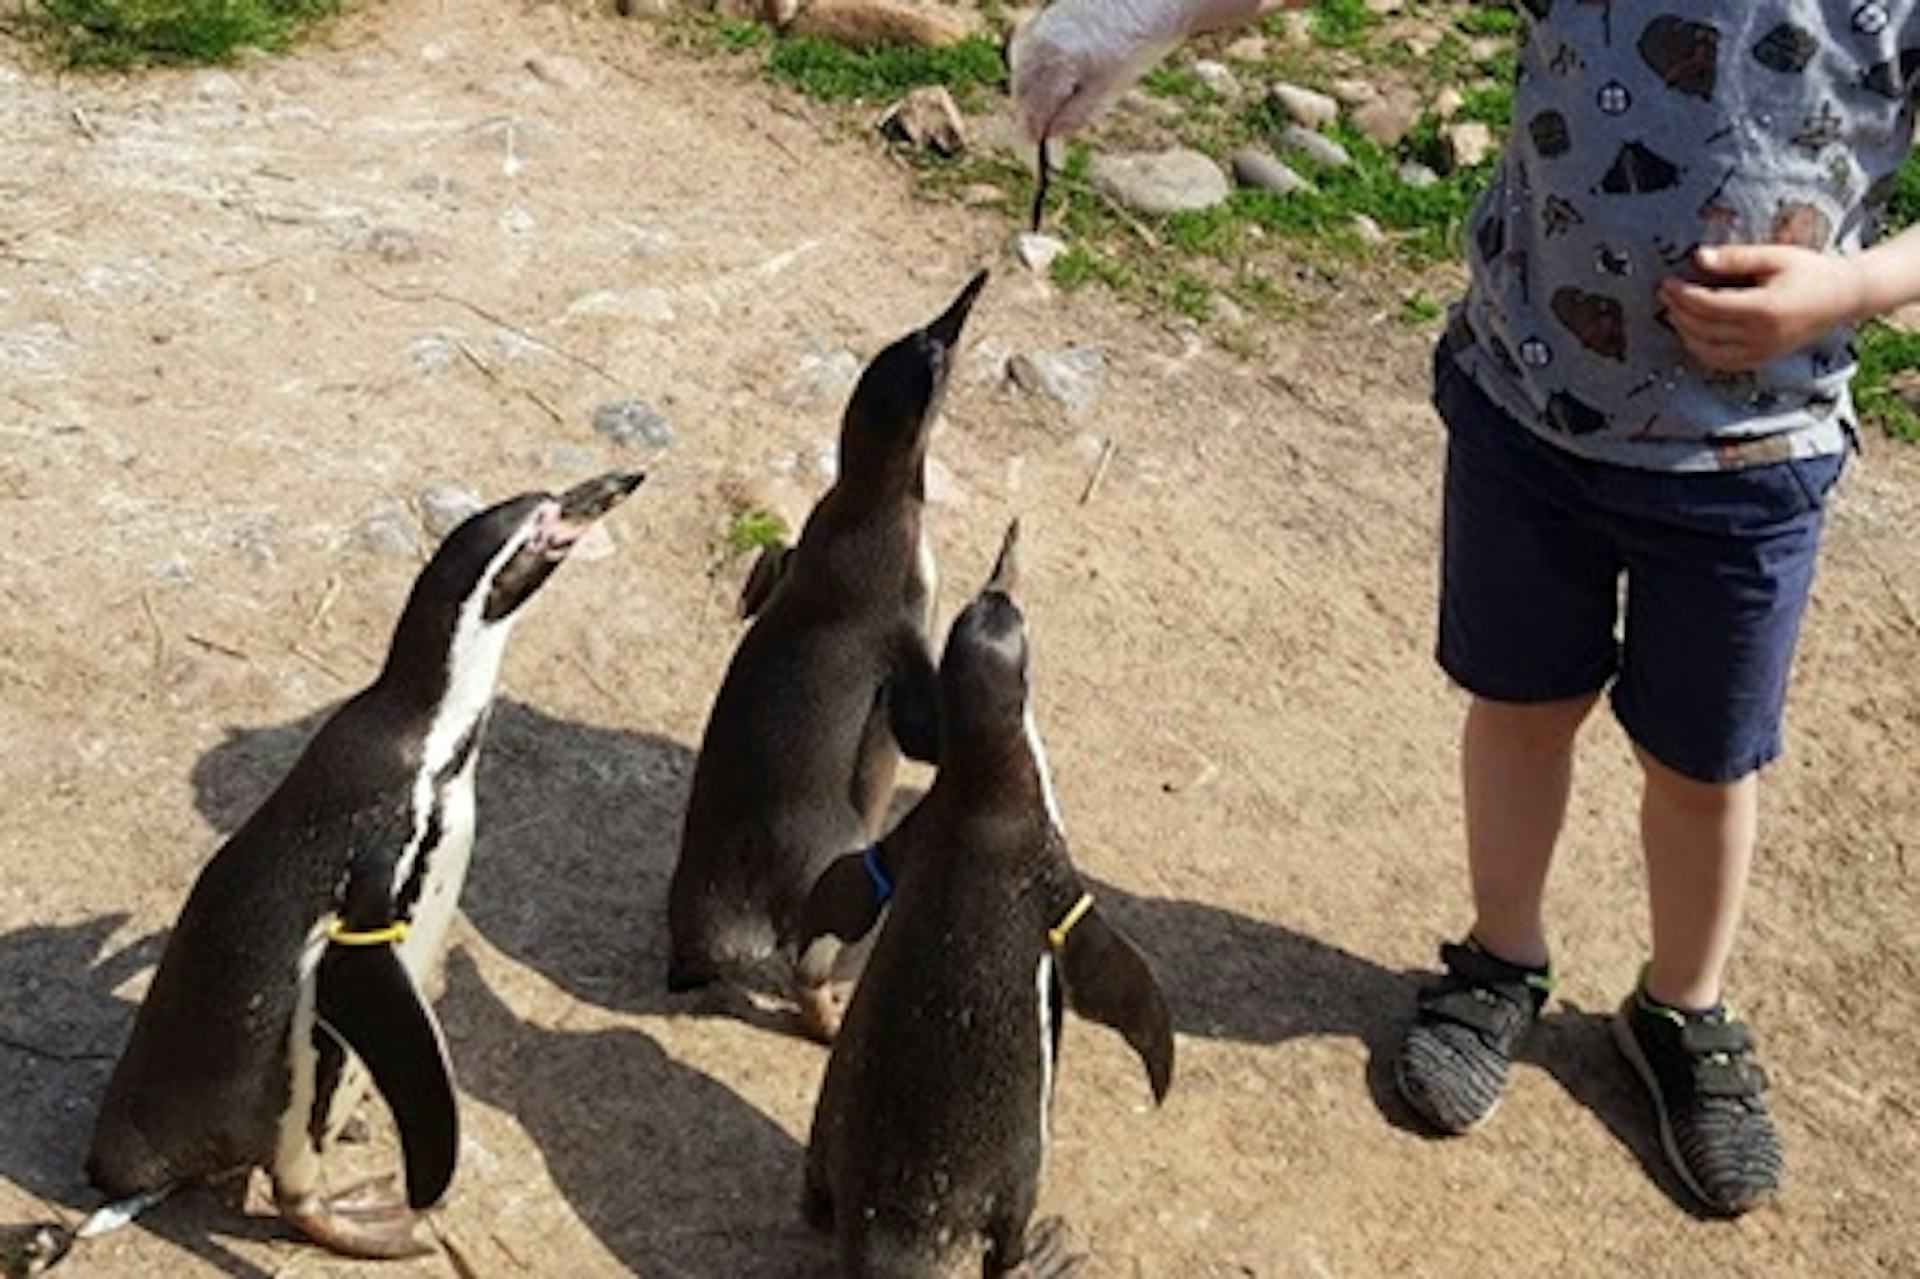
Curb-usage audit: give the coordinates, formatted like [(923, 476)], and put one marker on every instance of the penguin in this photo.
[(930, 1133), (297, 966), (832, 682)]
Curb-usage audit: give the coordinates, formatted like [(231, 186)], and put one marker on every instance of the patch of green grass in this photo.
[(834, 73), (1904, 209), (1490, 19), (753, 530), (1189, 295), (1176, 83), (1884, 353), (1211, 232), (1342, 24), (127, 33), (1490, 104), (1417, 310)]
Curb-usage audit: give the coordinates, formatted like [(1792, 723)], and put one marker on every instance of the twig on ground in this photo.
[(1107, 451)]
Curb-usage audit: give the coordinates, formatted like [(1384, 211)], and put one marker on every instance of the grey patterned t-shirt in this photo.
[(1641, 130)]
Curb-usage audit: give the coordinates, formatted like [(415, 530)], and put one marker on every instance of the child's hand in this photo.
[(1772, 299), (1077, 56)]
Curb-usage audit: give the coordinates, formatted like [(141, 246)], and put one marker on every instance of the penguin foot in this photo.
[(1050, 1253), (369, 1219), (821, 1009), (32, 1249)]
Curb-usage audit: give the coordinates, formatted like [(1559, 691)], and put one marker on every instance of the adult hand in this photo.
[(1762, 301), (1077, 56)]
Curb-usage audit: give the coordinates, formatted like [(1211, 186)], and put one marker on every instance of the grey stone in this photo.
[(390, 530), (444, 508), (1157, 183), (562, 72), (1070, 377), (1369, 231), (633, 423), (1322, 150), (433, 352), (1248, 49), (1447, 103), (1305, 106), (1468, 143), (821, 376), (1353, 91), (1260, 170), (1416, 175), (1038, 252)]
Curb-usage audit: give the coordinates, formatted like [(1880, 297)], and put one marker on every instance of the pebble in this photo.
[(1447, 103), (980, 194), (1248, 49), (390, 244), (1070, 377), (633, 423), (1353, 92), (1388, 118), (1468, 143), (1369, 231), (1217, 77), (1320, 149), (1158, 183), (444, 508), (217, 86), (1260, 170), (1038, 252), (433, 352), (865, 24), (821, 376), (942, 488), (1417, 175), (390, 530), (561, 71), (1305, 107)]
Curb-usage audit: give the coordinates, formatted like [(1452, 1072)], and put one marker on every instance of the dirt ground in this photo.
[(243, 315)]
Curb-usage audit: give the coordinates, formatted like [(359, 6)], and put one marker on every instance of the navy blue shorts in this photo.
[(1718, 566)]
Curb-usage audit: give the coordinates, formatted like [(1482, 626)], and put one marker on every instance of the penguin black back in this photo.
[(931, 1128)]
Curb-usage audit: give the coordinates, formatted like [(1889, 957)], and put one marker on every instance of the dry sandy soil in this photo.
[(243, 314)]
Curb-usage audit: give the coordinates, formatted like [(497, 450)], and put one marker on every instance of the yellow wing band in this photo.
[(392, 934), (1057, 935)]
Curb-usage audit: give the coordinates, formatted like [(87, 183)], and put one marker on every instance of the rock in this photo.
[(650, 10), (1385, 8), (780, 13), (1388, 118), (927, 118), (1296, 28), (867, 24), (217, 86), (1486, 48), (1150, 107), (1416, 175), (1322, 150), (433, 352), (390, 530), (1070, 378), (390, 244), (1248, 49), (1260, 170), (1468, 143), (444, 508), (1305, 106), (999, 133), (942, 488), (562, 72), (1038, 252), (821, 377), (1906, 319), (1217, 77), (1157, 183), (1423, 41), (631, 423), (1369, 231), (1447, 103), (1354, 92), (977, 195)]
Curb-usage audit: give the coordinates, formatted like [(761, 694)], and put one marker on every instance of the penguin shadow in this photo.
[(674, 1172), (1576, 1047), (61, 1029), (1230, 976)]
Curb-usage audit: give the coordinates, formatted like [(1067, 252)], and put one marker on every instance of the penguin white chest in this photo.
[(443, 875)]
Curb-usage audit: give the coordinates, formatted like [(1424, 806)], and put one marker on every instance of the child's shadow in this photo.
[(1576, 1048), (61, 1028), (672, 1170)]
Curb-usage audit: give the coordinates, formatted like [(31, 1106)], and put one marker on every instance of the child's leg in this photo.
[(1516, 771), (1698, 838)]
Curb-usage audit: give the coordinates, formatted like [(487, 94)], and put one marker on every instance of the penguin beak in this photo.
[(1006, 569), (565, 520), (945, 331)]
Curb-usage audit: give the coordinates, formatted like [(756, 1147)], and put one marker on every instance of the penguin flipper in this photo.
[(766, 574), (1108, 980), (369, 1002), (843, 907), (913, 699)]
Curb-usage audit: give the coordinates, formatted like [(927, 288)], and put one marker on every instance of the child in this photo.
[(1648, 379)]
